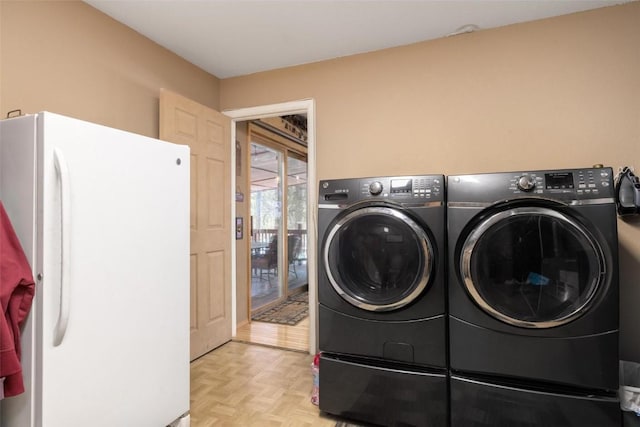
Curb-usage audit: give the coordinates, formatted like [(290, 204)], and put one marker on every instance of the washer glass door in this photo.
[(378, 258), (531, 266)]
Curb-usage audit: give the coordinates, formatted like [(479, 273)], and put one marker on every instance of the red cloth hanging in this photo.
[(17, 289)]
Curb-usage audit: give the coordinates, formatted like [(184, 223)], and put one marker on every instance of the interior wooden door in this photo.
[(207, 132)]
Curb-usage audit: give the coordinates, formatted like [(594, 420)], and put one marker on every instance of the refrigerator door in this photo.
[(114, 237)]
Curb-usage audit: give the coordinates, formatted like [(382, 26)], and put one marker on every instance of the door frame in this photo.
[(304, 106)]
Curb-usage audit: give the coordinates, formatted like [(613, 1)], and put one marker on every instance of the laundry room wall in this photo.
[(555, 93), (69, 58)]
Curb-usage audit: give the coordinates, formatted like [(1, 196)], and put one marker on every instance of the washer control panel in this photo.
[(401, 189)]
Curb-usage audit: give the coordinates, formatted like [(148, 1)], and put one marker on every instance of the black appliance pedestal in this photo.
[(385, 394)]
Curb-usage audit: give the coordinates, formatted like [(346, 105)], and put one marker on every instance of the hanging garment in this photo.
[(16, 294)]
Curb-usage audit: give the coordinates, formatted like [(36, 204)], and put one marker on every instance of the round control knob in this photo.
[(375, 188), (526, 183)]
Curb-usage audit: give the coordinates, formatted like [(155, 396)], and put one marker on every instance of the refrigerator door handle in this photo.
[(62, 171)]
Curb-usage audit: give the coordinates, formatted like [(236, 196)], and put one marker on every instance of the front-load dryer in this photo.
[(533, 298), (381, 294)]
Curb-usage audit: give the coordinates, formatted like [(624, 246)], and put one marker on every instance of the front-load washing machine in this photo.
[(533, 298), (381, 294)]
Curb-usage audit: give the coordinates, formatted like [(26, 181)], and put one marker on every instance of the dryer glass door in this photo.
[(378, 258), (532, 267)]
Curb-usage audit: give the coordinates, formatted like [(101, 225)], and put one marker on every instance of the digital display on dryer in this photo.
[(558, 180), (401, 186)]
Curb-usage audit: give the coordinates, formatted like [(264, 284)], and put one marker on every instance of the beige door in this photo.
[(207, 132)]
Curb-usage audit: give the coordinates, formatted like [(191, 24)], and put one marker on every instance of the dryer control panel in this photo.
[(569, 184), (400, 189)]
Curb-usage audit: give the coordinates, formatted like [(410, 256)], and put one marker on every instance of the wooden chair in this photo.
[(294, 244), (267, 262)]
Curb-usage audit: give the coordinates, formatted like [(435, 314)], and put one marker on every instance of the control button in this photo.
[(592, 185), (375, 188), (605, 183), (526, 183)]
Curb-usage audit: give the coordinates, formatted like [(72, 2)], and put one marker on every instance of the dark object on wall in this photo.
[(627, 192), (238, 159), (14, 113), (239, 228)]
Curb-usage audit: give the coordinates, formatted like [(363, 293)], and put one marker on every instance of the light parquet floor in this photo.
[(241, 384), (273, 335)]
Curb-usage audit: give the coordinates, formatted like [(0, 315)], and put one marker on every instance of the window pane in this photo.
[(297, 222)]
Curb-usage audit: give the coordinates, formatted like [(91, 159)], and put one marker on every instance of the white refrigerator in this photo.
[(103, 217)]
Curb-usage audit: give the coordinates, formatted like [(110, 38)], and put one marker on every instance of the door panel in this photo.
[(296, 222), (193, 211), (266, 176), (215, 193), (215, 286), (206, 131)]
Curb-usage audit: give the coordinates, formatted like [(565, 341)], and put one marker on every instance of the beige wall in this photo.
[(69, 58), (557, 93)]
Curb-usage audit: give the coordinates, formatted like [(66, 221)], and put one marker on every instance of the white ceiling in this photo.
[(230, 38)]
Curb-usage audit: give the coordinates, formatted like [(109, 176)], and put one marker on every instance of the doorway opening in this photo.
[(278, 209), (275, 199)]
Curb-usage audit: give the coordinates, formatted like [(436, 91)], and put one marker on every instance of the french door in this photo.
[(278, 176)]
